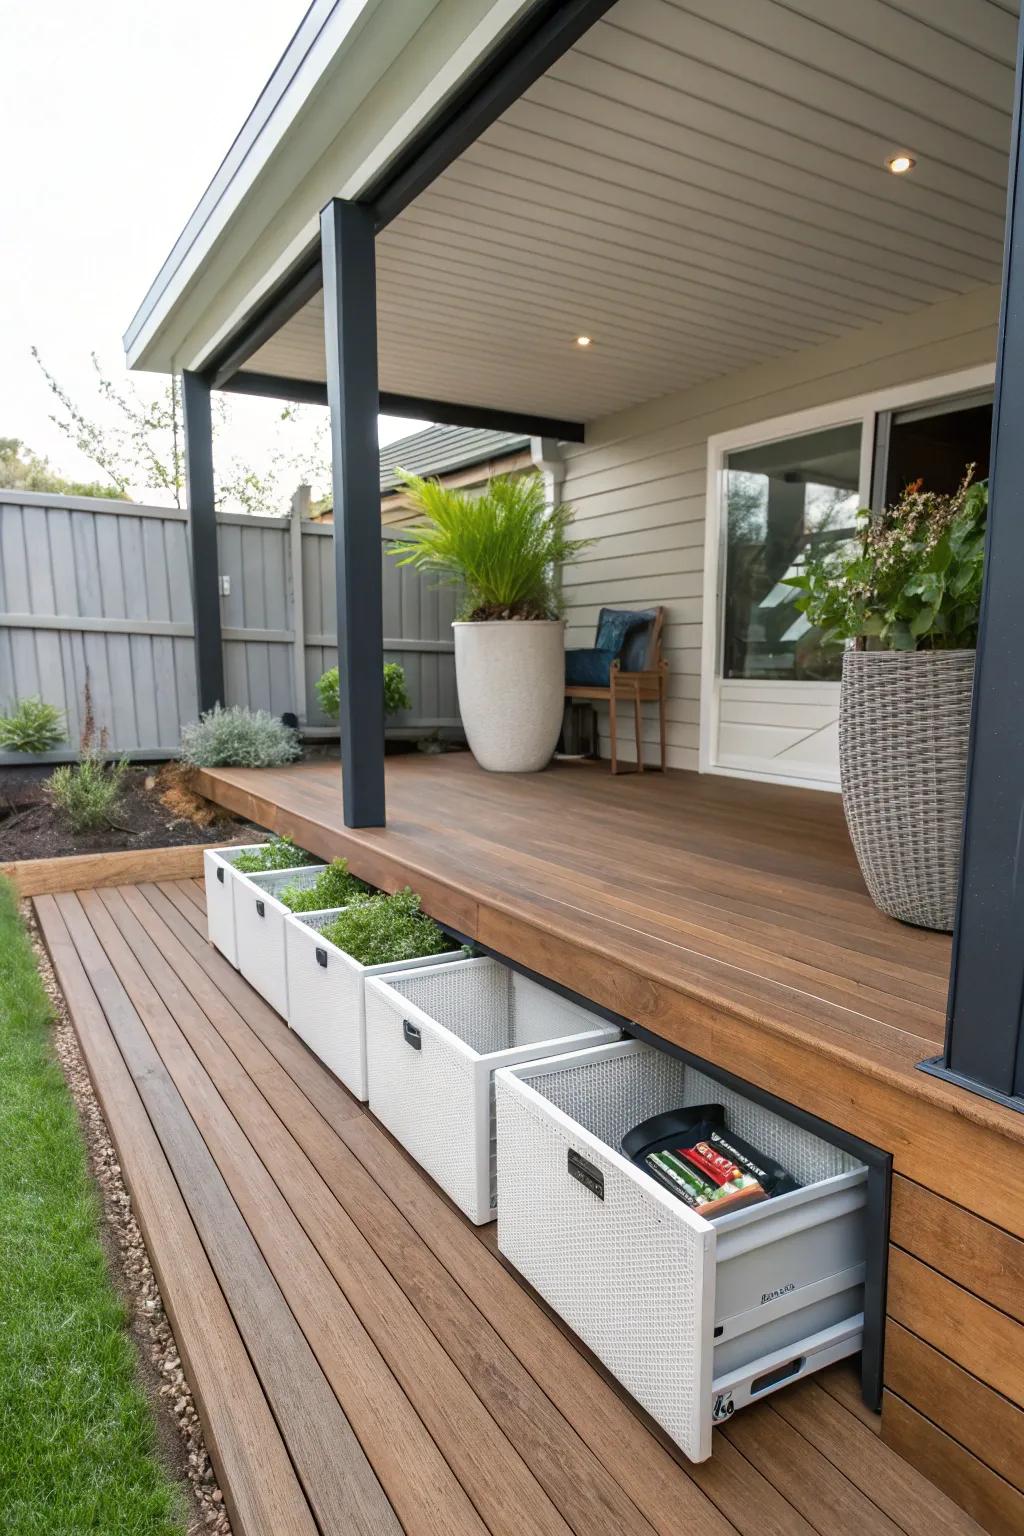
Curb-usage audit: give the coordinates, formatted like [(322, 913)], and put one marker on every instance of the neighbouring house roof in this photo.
[(450, 454), (443, 450)]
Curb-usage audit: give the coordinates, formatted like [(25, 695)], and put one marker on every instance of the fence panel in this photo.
[(100, 590)]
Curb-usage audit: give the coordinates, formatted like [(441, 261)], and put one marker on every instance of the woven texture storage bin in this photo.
[(903, 730), (259, 929), (326, 995), (220, 880), (433, 1040), (670, 1302)]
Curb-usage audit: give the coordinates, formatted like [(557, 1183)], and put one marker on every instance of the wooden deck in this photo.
[(729, 917), (363, 1360)]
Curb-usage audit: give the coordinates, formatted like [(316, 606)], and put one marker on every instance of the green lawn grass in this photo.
[(76, 1433)]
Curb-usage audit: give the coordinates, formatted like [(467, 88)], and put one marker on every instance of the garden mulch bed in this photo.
[(30, 828)]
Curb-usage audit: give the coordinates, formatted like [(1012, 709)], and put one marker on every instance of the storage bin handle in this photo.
[(412, 1035), (321, 957), (259, 909), (220, 873)]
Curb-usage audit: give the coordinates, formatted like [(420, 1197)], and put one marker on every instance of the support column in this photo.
[(195, 399), (984, 1035), (350, 337)]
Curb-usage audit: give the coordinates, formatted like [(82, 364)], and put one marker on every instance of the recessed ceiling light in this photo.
[(584, 341), (900, 164)]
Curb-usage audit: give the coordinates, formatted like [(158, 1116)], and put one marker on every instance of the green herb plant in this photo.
[(913, 579), (504, 545), (333, 887), (238, 738), (279, 853), (32, 726), (396, 694), (86, 793), (383, 929)]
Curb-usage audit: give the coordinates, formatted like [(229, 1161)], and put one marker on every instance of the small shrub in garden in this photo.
[(238, 738), (86, 793), (279, 853), (334, 887), (32, 726), (396, 694), (383, 929)]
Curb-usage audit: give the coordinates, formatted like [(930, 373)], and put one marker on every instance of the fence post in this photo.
[(300, 509)]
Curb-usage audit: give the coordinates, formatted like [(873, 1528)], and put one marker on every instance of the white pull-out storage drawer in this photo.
[(433, 1040), (259, 929), (220, 877), (326, 995), (696, 1318)]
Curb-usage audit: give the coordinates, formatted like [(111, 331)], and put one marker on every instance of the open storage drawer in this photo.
[(259, 929), (696, 1318), (433, 1040), (327, 996), (221, 879)]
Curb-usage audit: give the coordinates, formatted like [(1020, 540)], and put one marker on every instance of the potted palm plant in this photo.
[(906, 600), (504, 547)]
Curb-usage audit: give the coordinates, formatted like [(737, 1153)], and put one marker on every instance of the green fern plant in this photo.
[(504, 545)]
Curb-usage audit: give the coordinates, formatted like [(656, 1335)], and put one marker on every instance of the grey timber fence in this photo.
[(100, 590)]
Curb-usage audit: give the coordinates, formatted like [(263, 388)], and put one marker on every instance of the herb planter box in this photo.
[(326, 995), (259, 929), (221, 879), (433, 1041), (695, 1318)]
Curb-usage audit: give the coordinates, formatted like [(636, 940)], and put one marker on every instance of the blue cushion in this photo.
[(589, 668), (628, 630)]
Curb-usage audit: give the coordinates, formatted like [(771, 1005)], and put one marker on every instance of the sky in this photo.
[(115, 116)]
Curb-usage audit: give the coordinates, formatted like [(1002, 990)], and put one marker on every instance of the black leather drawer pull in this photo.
[(412, 1035), (220, 873), (259, 909), (321, 957)]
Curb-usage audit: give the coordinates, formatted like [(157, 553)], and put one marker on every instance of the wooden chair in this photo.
[(649, 685)]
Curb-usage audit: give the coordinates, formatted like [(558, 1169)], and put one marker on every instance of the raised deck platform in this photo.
[(363, 1361), (730, 918)]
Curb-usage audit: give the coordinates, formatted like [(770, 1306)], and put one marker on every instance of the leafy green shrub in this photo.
[(505, 544), (334, 887), (86, 793), (32, 726), (396, 694), (238, 738), (387, 928), (279, 853), (913, 581)]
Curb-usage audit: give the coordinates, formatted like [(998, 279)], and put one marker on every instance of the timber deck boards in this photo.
[(362, 1359)]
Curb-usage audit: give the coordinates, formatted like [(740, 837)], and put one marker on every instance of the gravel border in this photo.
[(179, 1432)]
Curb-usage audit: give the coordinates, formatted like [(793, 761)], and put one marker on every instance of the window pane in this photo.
[(783, 499)]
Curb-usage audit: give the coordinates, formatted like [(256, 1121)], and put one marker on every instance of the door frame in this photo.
[(864, 409)]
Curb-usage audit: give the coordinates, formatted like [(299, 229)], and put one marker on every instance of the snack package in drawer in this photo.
[(693, 1154)]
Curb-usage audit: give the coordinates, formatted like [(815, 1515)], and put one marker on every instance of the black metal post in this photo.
[(350, 336), (984, 1036), (195, 398)]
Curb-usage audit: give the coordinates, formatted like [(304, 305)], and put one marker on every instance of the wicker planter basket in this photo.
[(903, 729)]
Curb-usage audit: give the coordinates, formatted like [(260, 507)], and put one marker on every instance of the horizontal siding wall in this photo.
[(638, 485)]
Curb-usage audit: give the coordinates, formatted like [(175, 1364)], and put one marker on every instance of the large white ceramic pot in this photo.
[(511, 680)]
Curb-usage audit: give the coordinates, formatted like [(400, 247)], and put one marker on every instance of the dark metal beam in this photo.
[(984, 1034), (446, 412), (284, 301), (350, 337), (198, 432), (545, 33)]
